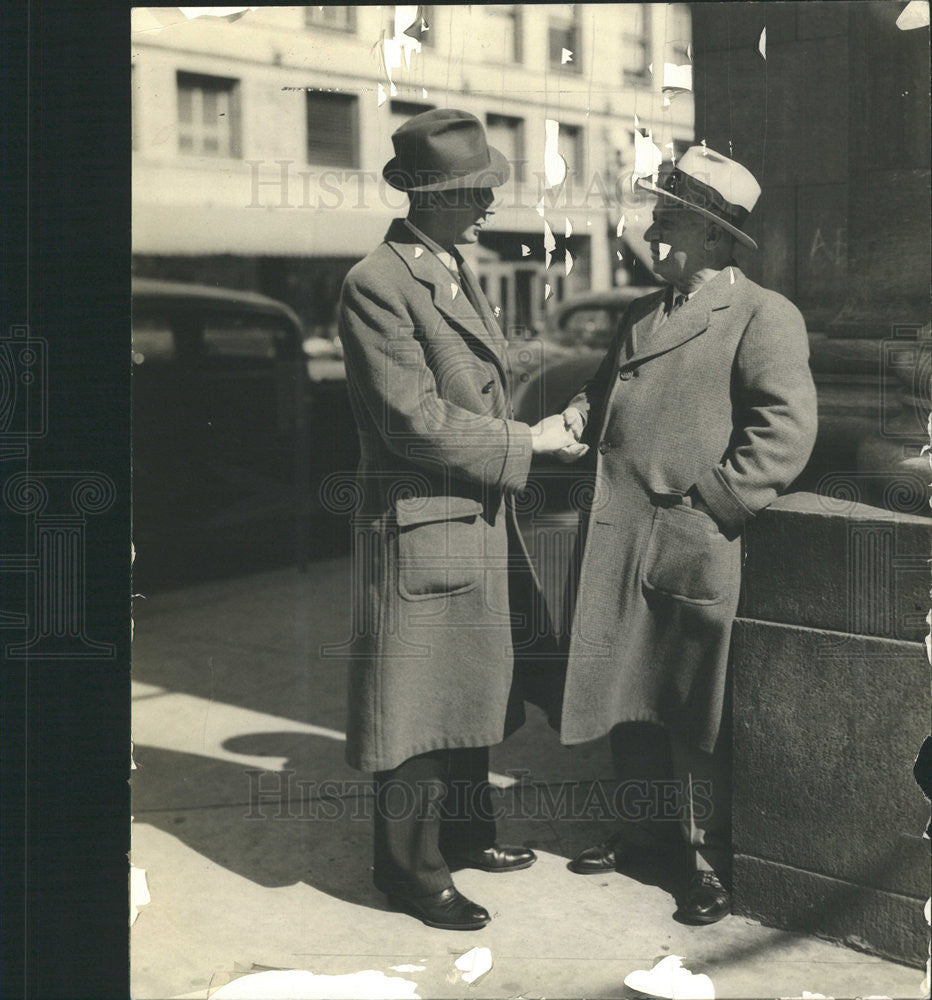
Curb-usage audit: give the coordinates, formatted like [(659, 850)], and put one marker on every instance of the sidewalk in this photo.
[(232, 697)]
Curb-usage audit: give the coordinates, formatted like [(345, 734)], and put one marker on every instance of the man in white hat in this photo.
[(445, 597), (701, 414)]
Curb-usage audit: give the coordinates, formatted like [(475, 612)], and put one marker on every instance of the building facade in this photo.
[(259, 139)]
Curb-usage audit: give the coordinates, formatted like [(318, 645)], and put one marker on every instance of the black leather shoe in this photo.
[(497, 858), (598, 860), (448, 909), (706, 900)]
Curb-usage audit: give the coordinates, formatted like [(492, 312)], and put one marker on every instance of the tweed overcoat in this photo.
[(439, 567), (717, 396)]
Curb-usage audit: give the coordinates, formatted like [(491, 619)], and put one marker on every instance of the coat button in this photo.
[(624, 374), (604, 447)]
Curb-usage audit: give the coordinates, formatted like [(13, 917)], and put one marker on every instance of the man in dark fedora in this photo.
[(702, 412), (446, 599)]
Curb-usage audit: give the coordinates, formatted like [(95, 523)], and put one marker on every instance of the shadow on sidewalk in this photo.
[(307, 822)]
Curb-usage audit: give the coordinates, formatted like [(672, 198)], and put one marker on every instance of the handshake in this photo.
[(559, 435)]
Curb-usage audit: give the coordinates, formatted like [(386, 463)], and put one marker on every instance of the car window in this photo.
[(591, 327), (152, 339), (189, 335), (249, 339)]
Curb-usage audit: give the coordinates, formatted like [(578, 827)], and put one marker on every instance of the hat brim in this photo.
[(739, 235), (494, 175)]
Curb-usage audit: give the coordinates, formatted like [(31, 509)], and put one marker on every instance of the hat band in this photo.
[(690, 189), (419, 174)]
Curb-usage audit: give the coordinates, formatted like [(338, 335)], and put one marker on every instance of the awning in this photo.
[(193, 230), (264, 232)]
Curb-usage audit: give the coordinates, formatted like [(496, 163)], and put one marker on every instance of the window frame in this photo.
[(201, 82), (574, 25), (520, 126), (644, 41), (351, 101), (516, 15), (577, 133), (348, 29)]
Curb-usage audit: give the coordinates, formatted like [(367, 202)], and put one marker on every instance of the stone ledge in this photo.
[(882, 923), (839, 565)]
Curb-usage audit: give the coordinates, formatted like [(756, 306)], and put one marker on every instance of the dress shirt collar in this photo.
[(444, 256)]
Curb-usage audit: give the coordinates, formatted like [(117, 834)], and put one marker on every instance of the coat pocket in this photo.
[(687, 557), (440, 542)]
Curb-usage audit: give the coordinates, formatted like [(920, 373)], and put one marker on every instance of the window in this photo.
[(208, 115), (235, 339), (635, 41), (564, 33), (507, 134), (328, 16), (678, 33), (505, 31), (403, 110), (332, 129), (570, 147)]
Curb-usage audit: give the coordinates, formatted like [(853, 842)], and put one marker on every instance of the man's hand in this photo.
[(551, 435), (574, 422)]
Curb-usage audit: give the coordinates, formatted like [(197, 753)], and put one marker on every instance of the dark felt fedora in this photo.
[(442, 150)]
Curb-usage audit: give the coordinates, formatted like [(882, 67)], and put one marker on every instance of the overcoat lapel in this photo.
[(691, 319), (448, 297), (652, 335)]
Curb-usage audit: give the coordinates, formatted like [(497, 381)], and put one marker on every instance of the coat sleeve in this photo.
[(386, 363), (591, 397), (775, 416)]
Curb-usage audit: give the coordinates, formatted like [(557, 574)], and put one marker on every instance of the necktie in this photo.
[(678, 300)]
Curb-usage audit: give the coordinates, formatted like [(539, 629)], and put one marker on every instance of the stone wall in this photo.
[(831, 703)]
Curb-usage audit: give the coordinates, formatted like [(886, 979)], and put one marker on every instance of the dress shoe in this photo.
[(448, 909), (706, 900), (598, 860), (497, 858)]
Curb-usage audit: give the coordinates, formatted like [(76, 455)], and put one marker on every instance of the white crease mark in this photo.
[(914, 15), (299, 984), (669, 979), (474, 964), (138, 892), (554, 164), (677, 77)]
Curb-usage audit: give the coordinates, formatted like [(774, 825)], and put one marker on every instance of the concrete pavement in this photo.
[(254, 863)]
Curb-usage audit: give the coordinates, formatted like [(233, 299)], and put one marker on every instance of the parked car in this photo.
[(223, 470), (550, 368)]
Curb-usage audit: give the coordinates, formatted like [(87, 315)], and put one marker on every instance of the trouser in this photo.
[(682, 792), (431, 806)]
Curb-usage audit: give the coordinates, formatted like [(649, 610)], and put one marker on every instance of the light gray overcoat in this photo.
[(438, 561), (718, 396)]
